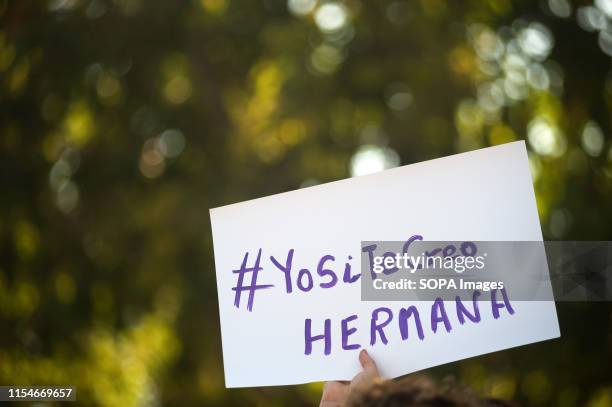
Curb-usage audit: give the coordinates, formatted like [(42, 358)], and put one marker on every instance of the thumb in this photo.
[(368, 374), (367, 363)]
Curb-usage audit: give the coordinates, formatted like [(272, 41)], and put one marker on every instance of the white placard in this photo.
[(480, 195)]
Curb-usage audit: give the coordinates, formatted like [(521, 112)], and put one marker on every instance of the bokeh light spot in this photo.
[(171, 143), (301, 7), (370, 159), (592, 139), (591, 18), (545, 139), (536, 41), (67, 196), (560, 8), (605, 6), (152, 163), (326, 58), (331, 17)]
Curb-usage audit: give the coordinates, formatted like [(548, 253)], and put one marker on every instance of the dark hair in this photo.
[(419, 391)]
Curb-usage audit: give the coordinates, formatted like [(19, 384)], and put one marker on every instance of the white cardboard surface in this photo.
[(481, 195)]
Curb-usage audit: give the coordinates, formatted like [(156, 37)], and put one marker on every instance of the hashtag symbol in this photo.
[(240, 287)]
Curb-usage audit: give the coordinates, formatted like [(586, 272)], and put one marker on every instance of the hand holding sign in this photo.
[(335, 393)]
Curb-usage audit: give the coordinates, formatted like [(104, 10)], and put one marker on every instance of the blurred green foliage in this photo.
[(123, 121)]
